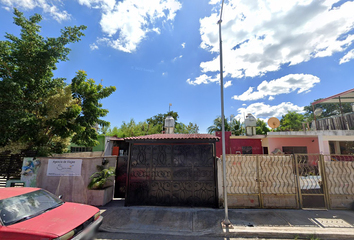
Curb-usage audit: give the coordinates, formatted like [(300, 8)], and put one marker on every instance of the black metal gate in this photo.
[(172, 175)]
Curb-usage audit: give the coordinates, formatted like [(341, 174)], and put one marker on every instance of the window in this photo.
[(80, 149), (292, 150), (246, 150)]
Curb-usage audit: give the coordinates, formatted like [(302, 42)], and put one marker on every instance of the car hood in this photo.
[(59, 220)]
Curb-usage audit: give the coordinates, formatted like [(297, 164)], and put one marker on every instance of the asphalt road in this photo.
[(131, 236)]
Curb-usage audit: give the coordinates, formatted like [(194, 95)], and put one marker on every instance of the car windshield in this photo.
[(26, 206)]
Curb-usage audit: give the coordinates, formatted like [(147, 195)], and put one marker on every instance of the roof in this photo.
[(347, 96), (15, 191), (175, 137), (115, 139), (248, 137)]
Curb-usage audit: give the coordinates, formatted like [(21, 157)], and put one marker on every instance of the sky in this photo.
[(278, 56)]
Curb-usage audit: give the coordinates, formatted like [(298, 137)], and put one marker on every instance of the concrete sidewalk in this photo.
[(263, 223)]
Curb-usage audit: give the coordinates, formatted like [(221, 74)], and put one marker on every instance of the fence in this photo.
[(341, 122), (288, 181), (10, 167)]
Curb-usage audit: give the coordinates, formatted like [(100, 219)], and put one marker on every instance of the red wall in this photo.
[(236, 145), (233, 145)]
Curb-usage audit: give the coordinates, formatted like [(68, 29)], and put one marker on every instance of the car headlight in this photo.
[(66, 236), (96, 216)]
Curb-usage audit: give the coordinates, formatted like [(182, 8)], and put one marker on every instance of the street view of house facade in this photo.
[(95, 142)]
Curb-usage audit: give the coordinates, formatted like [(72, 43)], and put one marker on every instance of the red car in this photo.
[(33, 214)]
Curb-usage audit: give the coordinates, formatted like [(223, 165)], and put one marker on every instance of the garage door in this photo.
[(172, 175)]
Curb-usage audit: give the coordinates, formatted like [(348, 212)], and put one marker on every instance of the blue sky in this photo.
[(278, 55)]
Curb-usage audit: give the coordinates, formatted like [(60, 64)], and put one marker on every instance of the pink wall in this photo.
[(312, 147)]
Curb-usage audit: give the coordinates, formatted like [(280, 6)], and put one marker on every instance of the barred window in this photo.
[(80, 149), (246, 150)]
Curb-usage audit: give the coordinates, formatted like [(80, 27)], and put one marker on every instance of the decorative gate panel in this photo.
[(310, 171), (172, 175)]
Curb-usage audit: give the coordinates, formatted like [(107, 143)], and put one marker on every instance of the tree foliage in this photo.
[(132, 129), (328, 109), (234, 126), (152, 125), (261, 127), (292, 121), (38, 111), (186, 129), (158, 120)]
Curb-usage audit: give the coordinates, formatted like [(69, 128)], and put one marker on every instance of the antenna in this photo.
[(169, 106), (273, 122), (318, 112)]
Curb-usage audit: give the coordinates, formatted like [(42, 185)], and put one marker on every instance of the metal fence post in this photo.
[(259, 182), (298, 181), (324, 182)]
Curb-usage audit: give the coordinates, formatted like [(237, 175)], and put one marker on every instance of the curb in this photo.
[(291, 232), (257, 232)]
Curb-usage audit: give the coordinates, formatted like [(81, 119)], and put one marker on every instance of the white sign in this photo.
[(64, 167)]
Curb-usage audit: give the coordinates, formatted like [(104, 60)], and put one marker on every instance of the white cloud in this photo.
[(93, 46), (203, 79), (228, 84), (50, 8), (183, 45), (271, 98), (286, 84), (180, 56), (265, 111), (262, 36), (347, 57), (212, 2), (164, 74), (125, 23)]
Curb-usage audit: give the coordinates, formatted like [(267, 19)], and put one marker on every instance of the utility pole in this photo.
[(226, 222)]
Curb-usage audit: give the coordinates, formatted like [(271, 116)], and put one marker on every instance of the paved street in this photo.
[(141, 236)]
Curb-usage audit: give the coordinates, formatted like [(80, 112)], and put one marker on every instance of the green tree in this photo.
[(234, 126), (88, 94), (217, 125), (186, 129), (158, 120), (292, 121), (328, 109), (132, 129), (261, 127), (152, 125), (39, 112)]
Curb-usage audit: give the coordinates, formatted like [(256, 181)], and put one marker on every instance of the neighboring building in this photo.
[(241, 144), (331, 135), (311, 142), (323, 142)]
